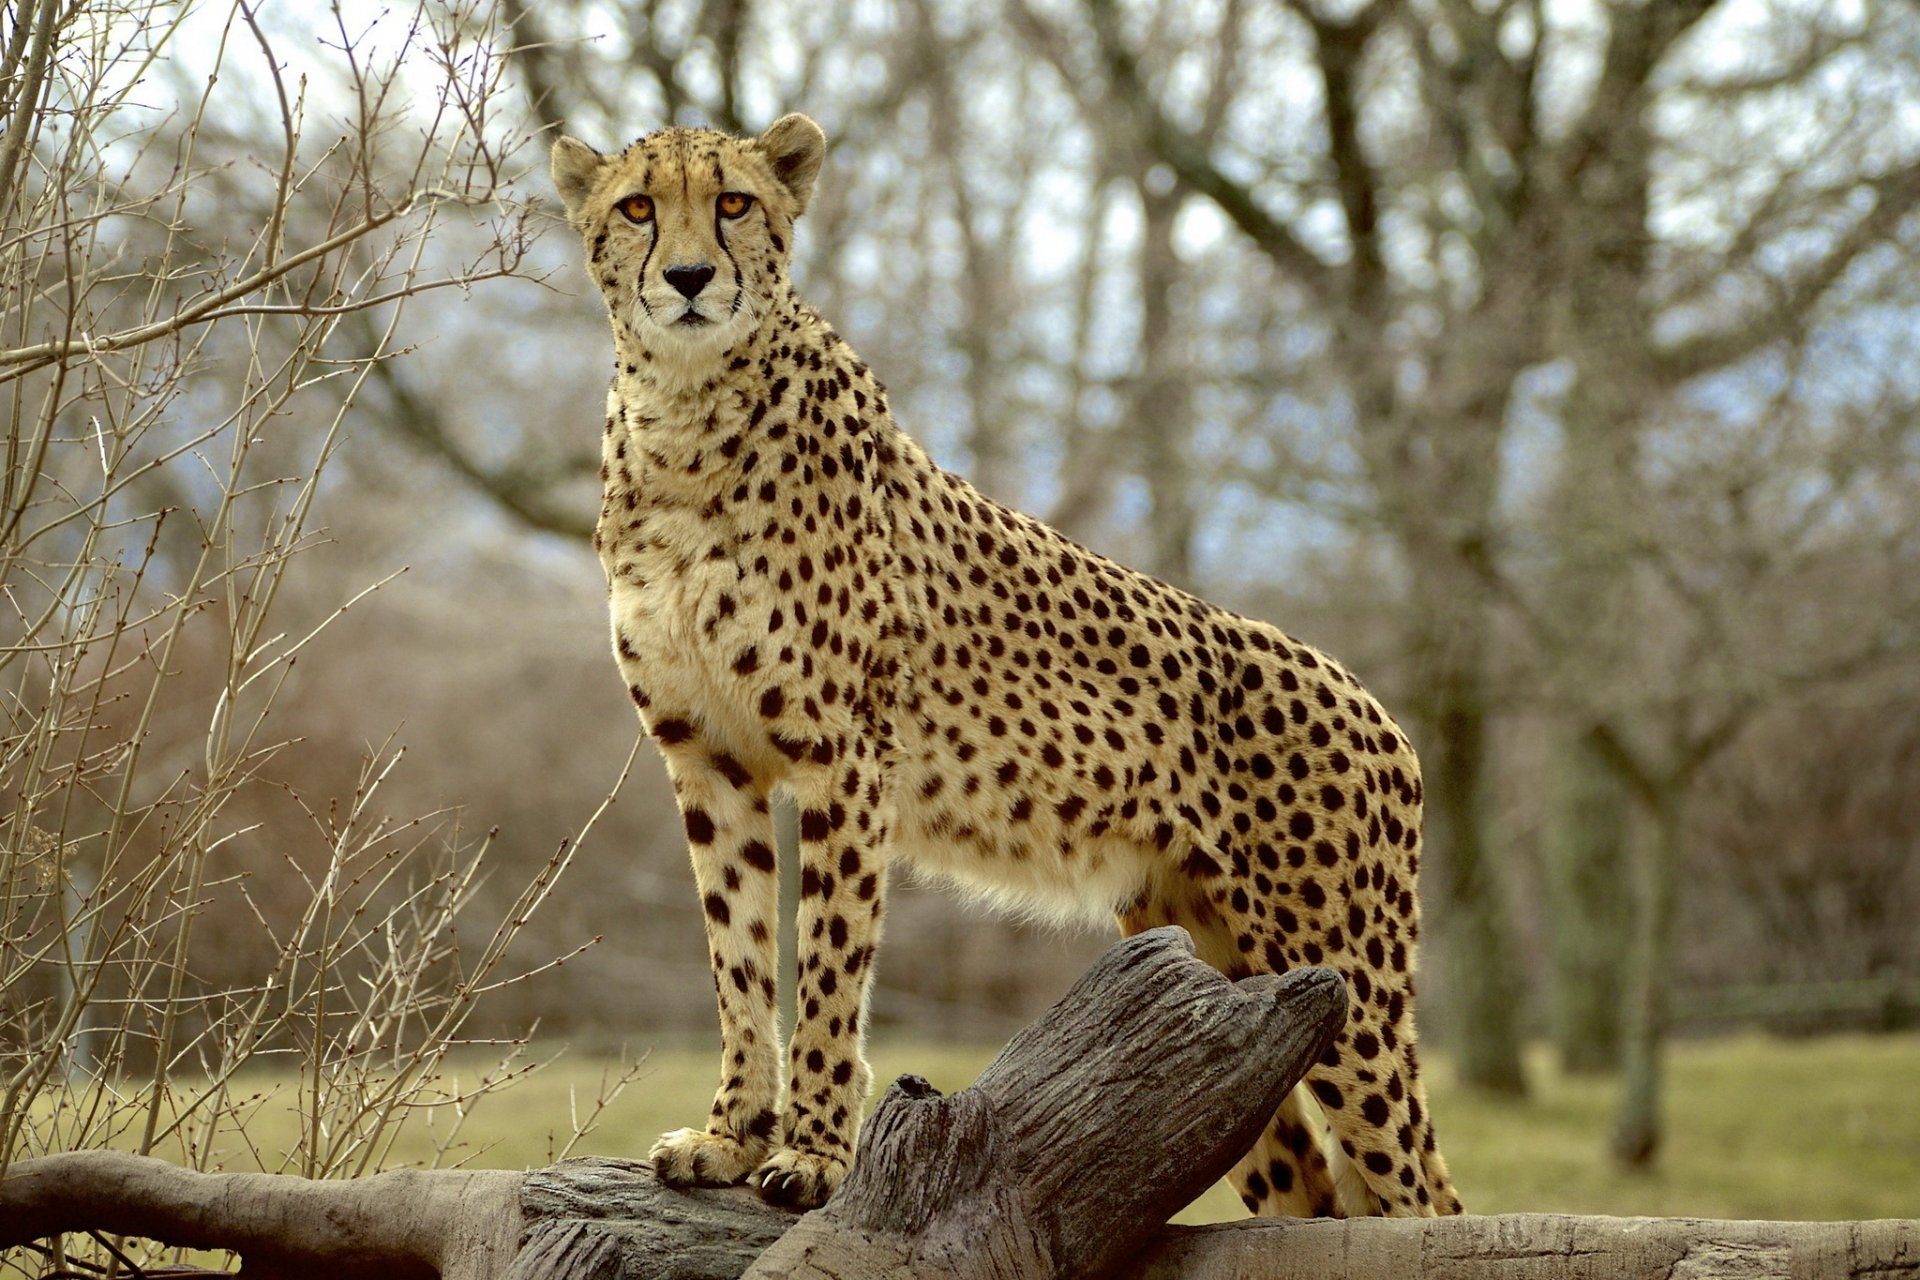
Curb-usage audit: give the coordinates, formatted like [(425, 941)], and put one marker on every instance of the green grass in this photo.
[(1757, 1128)]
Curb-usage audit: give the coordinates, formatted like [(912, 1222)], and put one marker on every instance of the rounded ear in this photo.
[(795, 146), (575, 165)]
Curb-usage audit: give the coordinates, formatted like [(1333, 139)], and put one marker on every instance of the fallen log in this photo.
[(406, 1223), (1055, 1162), (1063, 1159)]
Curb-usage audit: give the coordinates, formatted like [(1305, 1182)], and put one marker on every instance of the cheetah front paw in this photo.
[(799, 1179), (696, 1158)]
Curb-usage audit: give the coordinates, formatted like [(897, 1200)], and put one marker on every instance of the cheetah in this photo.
[(801, 599)]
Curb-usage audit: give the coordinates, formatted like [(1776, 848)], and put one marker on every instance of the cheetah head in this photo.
[(687, 231)]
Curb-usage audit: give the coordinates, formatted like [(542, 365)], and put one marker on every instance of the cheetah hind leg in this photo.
[(1286, 1175), (1367, 1085)]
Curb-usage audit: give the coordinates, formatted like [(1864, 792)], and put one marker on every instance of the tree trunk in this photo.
[(1161, 417), (1637, 1129), (1587, 879), (1483, 990)]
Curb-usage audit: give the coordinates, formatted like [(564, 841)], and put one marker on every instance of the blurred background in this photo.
[(1555, 363)]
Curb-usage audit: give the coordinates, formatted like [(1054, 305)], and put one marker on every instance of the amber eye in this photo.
[(735, 203), (637, 208)]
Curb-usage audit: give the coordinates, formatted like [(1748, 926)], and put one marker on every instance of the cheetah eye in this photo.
[(637, 208), (735, 203)]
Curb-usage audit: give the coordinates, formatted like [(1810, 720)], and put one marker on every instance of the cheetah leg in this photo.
[(842, 899), (1286, 1175), (1366, 1083), (1439, 1181), (730, 838)]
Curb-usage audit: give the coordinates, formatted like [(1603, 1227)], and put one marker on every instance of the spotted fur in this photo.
[(802, 599)]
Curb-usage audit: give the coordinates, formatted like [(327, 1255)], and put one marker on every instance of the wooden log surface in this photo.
[(1134, 1093), (1137, 1090), (1533, 1246), (594, 1218), (406, 1223), (1063, 1159), (1524, 1246)]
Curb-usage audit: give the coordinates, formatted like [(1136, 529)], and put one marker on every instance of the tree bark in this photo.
[(993, 1182), (611, 1219), (1637, 1129), (1534, 1246), (1587, 882), (407, 1223)]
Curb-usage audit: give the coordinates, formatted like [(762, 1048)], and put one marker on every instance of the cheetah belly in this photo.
[(1032, 867), (1103, 876)]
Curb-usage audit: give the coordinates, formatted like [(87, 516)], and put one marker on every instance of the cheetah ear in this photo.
[(575, 165), (795, 146)]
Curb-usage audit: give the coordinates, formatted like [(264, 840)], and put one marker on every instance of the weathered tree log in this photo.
[(714, 1235), (1534, 1246), (611, 1219), (1060, 1159), (1095, 1124), (457, 1224)]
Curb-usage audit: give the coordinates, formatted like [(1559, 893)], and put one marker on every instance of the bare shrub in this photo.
[(178, 377)]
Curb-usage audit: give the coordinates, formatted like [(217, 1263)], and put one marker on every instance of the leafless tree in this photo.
[(177, 386)]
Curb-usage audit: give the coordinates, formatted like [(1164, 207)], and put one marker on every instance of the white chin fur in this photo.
[(689, 344)]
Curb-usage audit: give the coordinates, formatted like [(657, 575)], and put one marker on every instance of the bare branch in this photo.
[(39, 355), (1187, 156), (1896, 195)]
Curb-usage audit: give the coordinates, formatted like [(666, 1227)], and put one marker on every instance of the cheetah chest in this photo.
[(684, 609)]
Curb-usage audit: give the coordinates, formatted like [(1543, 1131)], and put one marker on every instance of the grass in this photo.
[(1757, 1128)]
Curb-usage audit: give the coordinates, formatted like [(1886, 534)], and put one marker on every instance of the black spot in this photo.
[(732, 770), (1200, 866), (699, 826)]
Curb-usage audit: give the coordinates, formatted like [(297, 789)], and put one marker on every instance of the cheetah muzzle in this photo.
[(801, 599)]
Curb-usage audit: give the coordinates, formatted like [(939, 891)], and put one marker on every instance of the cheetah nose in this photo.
[(689, 280)]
